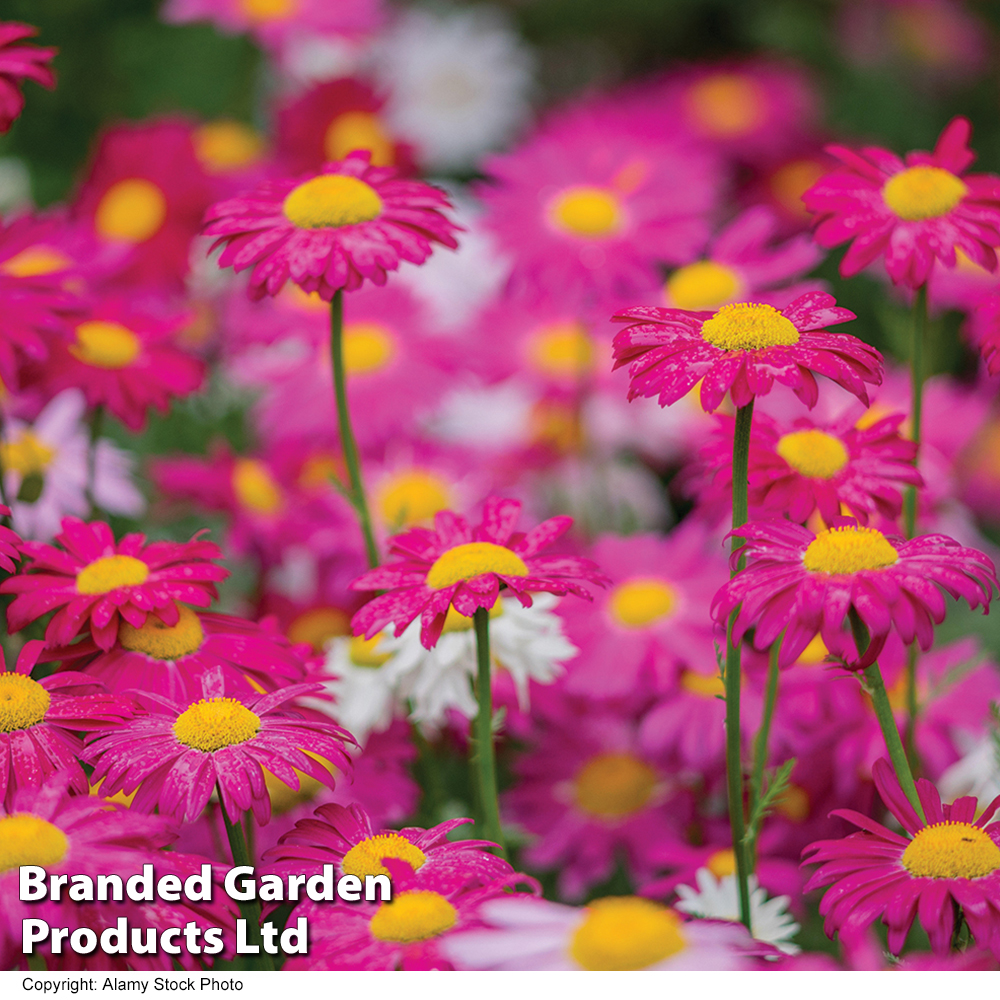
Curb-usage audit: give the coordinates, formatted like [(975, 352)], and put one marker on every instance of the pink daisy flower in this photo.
[(743, 262), (125, 358), (983, 328), (10, 544), (456, 565), (949, 863), (349, 223), (914, 211), (92, 582), (19, 62), (613, 934), (814, 465), (176, 757), (742, 349), (40, 720), (804, 584), (595, 203)]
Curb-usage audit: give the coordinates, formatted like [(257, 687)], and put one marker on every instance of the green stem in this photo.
[(764, 733), (250, 910), (96, 423), (484, 753), (734, 763), (36, 963), (347, 440)]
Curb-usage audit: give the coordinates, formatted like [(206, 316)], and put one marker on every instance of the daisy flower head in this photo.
[(19, 62), (612, 934), (913, 211), (806, 584), (457, 566), (94, 583), (742, 349), (10, 544), (936, 867), (331, 231), (174, 757)]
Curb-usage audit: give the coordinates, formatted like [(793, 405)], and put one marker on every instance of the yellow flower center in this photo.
[(26, 454), (722, 863), (358, 130), (815, 652), (455, 622), (703, 285), (591, 212), (214, 723), (813, 453), (413, 916), (255, 487), (613, 785), (412, 497), (330, 201), (164, 642), (34, 261), (366, 858), (284, 798), (132, 210), (703, 685), (318, 626), (923, 193), (748, 326), (848, 550), (726, 105), (262, 11), (227, 145), (951, 850), (23, 702), (306, 301), (793, 803), (111, 572), (30, 840), (621, 933), (368, 347), (105, 345), (791, 181), (364, 652), (562, 350), (465, 562), (642, 602)]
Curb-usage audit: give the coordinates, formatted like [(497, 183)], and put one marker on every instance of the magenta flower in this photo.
[(10, 544), (950, 862), (804, 584), (914, 211), (330, 231), (92, 582), (19, 62), (174, 758), (742, 349), (455, 565)]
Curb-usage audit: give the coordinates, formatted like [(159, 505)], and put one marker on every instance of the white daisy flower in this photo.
[(977, 773), (718, 899), (363, 682), (458, 83)]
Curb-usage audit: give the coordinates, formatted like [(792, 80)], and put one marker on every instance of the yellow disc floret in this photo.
[(923, 193), (132, 210), (641, 602), (562, 350), (411, 497), (368, 347), (621, 933), (413, 916), (722, 863), (749, 326), (951, 850), (330, 201), (703, 285), (262, 11), (364, 652), (105, 345), (703, 685), (366, 858), (226, 145), (111, 572), (26, 454), (358, 130), (214, 723), (456, 622), (23, 702), (30, 840), (813, 453), (164, 642), (465, 562), (613, 785), (591, 212), (849, 550), (255, 487), (318, 626), (725, 105), (34, 261)]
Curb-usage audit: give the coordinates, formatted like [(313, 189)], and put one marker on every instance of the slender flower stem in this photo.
[(250, 910), (734, 763), (484, 755), (347, 442), (96, 423), (764, 733)]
